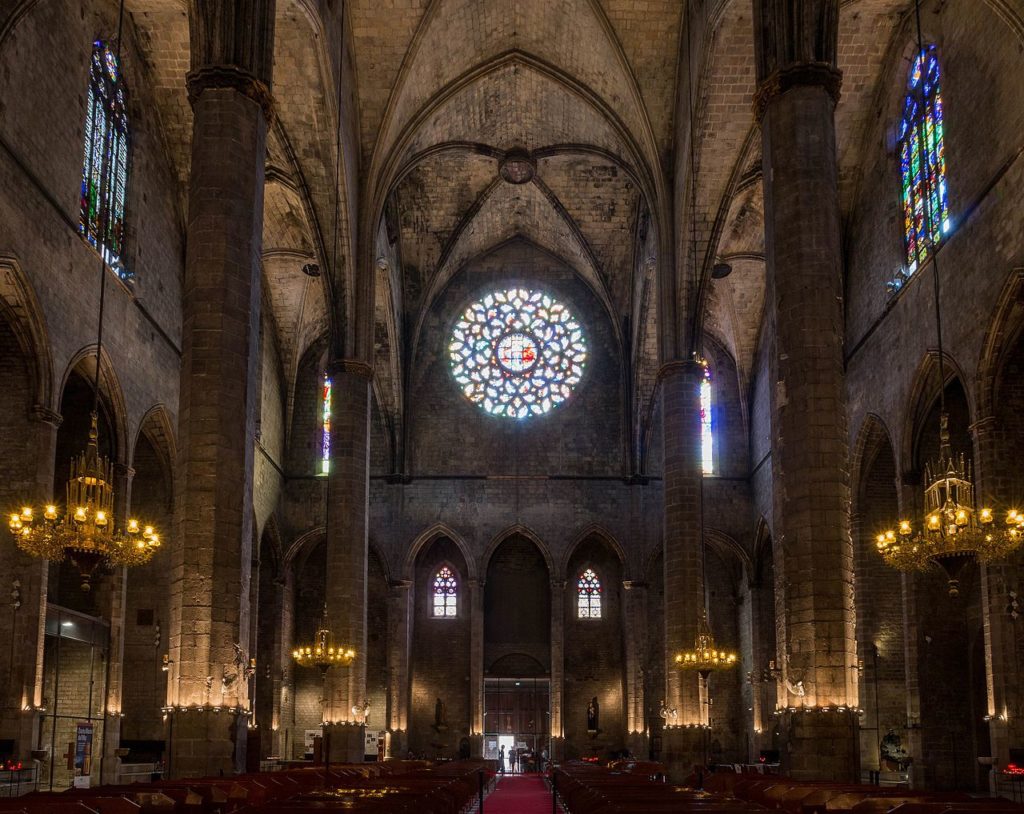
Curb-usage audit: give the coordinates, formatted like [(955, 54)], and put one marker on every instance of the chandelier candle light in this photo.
[(322, 652), (86, 534)]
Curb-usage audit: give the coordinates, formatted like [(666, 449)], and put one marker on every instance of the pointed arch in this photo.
[(872, 436), (84, 364), (313, 537), (923, 394), (522, 531), (1005, 326), (20, 307), (428, 536), (594, 530), (726, 547)]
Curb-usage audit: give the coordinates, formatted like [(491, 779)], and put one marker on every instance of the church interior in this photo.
[(437, 380)]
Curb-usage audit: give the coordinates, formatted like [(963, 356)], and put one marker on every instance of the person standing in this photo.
[(501, 759), (513, 759)]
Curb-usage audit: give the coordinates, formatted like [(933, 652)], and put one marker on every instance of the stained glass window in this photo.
[(105, 165), (923, 161), (446, 592), (325, 431), (588, 596), (517, 353), (707, 438)]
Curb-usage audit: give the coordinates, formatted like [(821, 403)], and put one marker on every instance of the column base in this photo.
[(345, 743), (398, 744), (816, 745), (682, 752), (206, 744), (638, 744), (22, 727)]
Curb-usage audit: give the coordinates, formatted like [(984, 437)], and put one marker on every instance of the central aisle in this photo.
[(525, 794)]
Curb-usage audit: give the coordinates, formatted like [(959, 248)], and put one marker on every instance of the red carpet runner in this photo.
[(526, 794)]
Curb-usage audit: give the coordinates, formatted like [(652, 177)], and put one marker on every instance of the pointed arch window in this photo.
[(446, 593), (325, 426), (923, 161), (105, 164), (588, 596), (707, 437)]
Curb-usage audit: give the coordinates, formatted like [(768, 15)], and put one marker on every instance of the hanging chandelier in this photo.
[(952, 533), (86, 534), (705, 658), (322, 653)]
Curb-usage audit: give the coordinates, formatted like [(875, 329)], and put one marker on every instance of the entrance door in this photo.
[(517, 714)]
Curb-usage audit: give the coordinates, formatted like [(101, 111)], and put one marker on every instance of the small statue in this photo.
[(440, 716), (796, 689), (593, 710)]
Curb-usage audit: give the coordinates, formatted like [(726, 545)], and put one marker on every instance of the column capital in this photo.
[(803, 74), (352, 367), (396, 585), (44, 415), (230, 77), (634, 584), (686, 367), (983, 426)]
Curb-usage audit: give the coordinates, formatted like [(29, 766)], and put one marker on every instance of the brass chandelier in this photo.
[(705, 658), (86, 534), (322, 653), (952, 532)]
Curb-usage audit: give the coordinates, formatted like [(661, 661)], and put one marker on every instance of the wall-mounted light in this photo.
[(166, 665)]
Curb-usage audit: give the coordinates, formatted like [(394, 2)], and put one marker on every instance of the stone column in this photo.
[(634, 618), (993, 477), (23, 592), (232, 50), (347, 541), (684, 584), (798, 86), (476, 666), (557, 730), (399, 643)]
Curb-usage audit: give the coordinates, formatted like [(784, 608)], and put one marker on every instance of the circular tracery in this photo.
[(517, 353)]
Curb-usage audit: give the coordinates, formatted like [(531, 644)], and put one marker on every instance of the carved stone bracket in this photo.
[(234, 78), (354, 367), (799, 75)]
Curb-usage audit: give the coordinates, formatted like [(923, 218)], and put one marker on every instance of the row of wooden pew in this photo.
[(807, 797), (395, 787), (637, 788)]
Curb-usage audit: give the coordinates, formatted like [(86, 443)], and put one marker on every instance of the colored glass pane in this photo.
[(446, 592), (707, 438), (517, 353), (325, 431), (923, 161), (588, 596), (102, 199)]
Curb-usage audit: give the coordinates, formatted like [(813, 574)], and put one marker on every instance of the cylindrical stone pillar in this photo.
[(634, 619), (399, 641), (212, 543), (476, 667), (347, 541), (798, 85), (684, 583), (557, 727)]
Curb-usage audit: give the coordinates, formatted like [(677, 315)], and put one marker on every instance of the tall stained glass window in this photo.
[(325, 426), (105, 165), (517, 353), (588, 596), (707, 438), (923, 161), (446, 592)]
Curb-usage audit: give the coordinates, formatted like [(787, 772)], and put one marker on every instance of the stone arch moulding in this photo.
[(1005, 326), (426, 538), (158, 427), (873, 432), (311, 538), (19, 305), (110, 389), (762, 551), (726, 547), (530, 535), (591, 531), (923, 393)]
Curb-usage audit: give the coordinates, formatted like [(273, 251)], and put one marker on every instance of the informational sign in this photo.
[(83, 749), (310, 736), (370, 744)]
